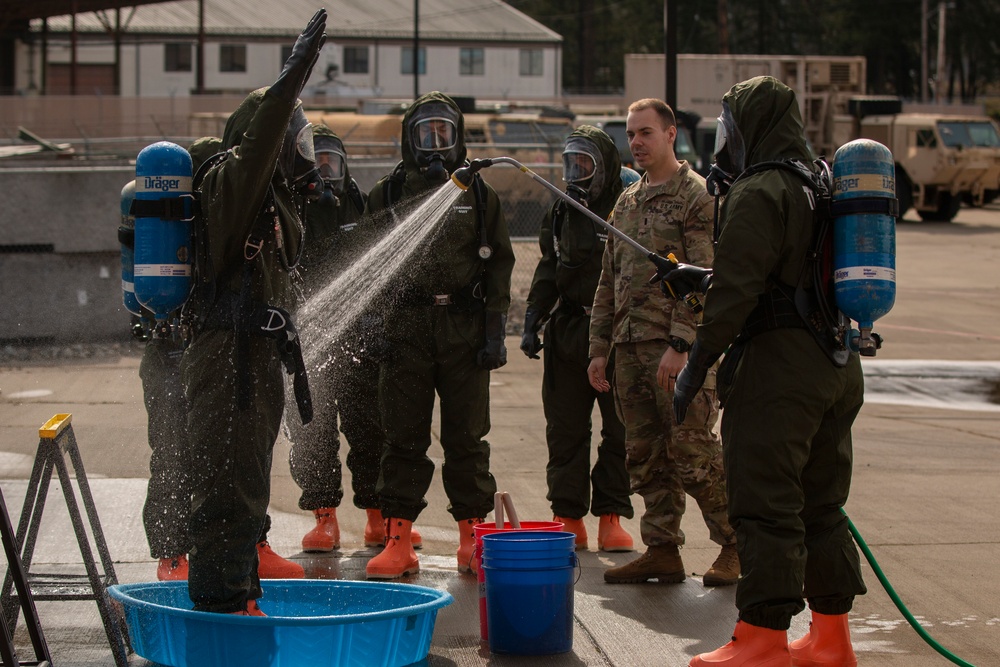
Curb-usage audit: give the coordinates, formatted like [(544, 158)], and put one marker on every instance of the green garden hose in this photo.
[(899, 603)]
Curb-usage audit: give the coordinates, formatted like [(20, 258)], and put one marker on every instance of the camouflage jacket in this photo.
[(675, 217)]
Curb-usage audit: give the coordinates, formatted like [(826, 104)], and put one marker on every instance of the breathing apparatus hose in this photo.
[(898, 602)]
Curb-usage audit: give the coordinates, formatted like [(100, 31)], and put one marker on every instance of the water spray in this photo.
[(664, 265)]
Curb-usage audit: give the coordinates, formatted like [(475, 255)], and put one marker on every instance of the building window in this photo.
[(232, 58), (406, 60), (355, 60), (531, 62), (471, 62), (177, 57)]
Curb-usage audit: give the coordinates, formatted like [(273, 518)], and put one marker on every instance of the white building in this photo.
[(481, 48)]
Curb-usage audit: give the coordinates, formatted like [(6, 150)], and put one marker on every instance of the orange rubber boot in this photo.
[(397, 558), (752, 646), (272, 566), (828, 642), (325, 536), (375, 531), (574, 526), (467, 545), (251, 610), (173, 569), (611, 536)]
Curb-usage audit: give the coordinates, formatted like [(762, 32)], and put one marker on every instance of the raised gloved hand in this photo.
[(691, 378), (299, 65), (530, 344), (494, 352)]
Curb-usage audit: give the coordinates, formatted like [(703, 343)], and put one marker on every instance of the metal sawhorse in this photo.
[(56, 441)]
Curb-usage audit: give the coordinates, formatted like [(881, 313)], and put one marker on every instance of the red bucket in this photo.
[(491, 527)]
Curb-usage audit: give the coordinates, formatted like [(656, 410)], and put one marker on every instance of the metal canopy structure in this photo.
[(22, 10)]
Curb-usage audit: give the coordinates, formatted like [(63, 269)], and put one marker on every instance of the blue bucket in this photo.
[(529, 591)]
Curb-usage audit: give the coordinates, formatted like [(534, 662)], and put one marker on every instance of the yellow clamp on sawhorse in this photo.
[(56, 441)]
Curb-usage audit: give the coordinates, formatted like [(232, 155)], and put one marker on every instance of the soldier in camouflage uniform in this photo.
[(667, 211), (446, 331), (572, 246)]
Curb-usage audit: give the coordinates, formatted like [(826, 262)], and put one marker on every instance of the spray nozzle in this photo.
[(463, 176)]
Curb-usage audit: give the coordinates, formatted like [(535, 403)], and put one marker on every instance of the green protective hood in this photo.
[(409, 159), (768, 118), (202, 149), (239, 121), (612, 186)]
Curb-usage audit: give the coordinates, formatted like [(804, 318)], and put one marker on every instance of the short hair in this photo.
[(661, 108)]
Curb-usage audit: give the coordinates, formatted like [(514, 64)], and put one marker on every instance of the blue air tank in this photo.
[(163, 228), (864, 237), (126, 237)]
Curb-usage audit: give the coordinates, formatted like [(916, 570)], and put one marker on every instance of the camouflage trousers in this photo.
[(665, 460)]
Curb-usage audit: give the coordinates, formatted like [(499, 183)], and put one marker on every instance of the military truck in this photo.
[(941, 160)]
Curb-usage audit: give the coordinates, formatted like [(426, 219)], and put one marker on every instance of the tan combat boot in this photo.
[(662, 562), (725, 571)]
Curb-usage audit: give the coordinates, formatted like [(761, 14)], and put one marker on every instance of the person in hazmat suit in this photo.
[(446, 329), (346, 383), (242, 334), (789, 408), (565, 279)]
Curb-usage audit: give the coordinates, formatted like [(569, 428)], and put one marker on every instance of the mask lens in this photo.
[(720, 136), (330, 165), (304, 143), (435, 134), (578, 166)]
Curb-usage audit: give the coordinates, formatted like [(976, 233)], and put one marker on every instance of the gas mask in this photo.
[(730, 154), (583, 170), (434, 136), (332, 166), (297, 159)]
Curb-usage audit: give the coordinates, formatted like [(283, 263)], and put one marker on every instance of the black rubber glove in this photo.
[(691, 378), (682, 280), (494, 352), (299, 65), (530, 344)]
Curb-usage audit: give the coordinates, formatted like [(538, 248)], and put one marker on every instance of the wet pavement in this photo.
[(924, 494)]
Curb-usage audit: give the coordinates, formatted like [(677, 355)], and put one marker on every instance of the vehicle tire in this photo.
[(946, 211), (904, 192)]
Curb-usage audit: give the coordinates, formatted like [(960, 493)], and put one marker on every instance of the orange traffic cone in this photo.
[(752, 646), (467, 545), (398, 558), (828, 642), (611, 536)]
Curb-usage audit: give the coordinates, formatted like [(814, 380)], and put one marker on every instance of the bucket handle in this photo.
[(578, 565), (502, 500)]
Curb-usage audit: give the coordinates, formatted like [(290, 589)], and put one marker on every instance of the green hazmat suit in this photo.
[(347, 387), (572, 246), (231, 447), (786, 426), (435, 347)]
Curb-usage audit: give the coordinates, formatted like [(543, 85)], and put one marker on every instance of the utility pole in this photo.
[(923, 50), (199, 76), (939, 76), (670, 51), (416, 49)]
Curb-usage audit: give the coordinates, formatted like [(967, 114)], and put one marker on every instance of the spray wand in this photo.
[(664, 265)]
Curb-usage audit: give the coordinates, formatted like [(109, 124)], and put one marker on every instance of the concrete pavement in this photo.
[(924, 494)]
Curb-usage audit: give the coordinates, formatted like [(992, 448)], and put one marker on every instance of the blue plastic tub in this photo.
[(309, 623)]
